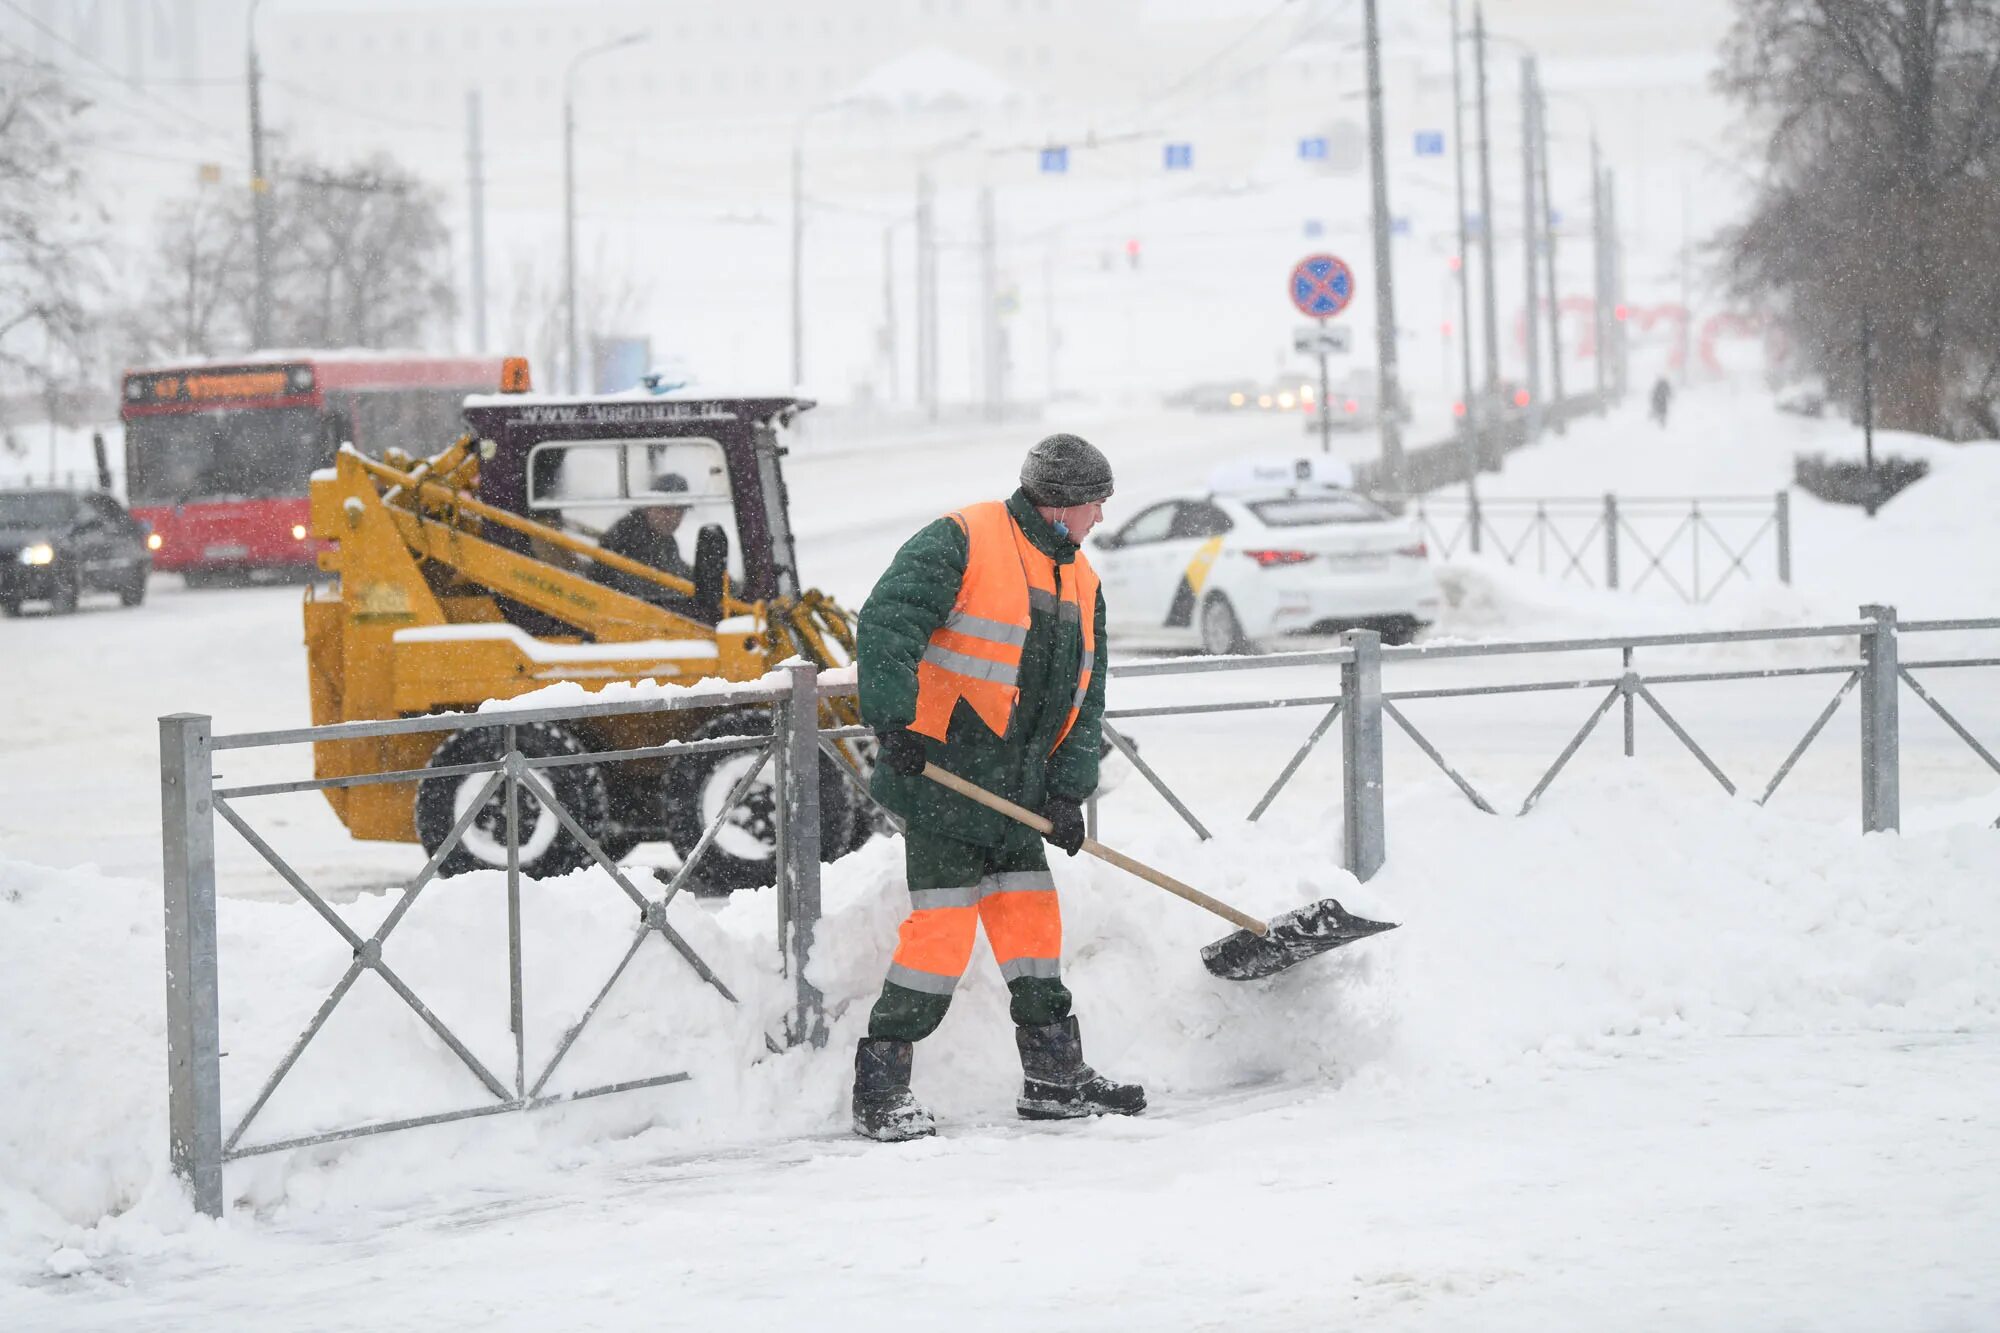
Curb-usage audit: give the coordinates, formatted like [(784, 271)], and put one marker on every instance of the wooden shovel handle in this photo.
[(1020, 814)]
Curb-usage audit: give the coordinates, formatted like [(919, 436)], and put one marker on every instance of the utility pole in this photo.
[(1687, 308), (260, 196), (889, 350), (1600, 290), (476, 189), (1548, 222), (926, 295), (1530, 239), (989, 306), (576, 378), (798, 255), (1390, 394), (573, 372), (1466, 394), (1621, 365), (1049, 321), (1491, 298)]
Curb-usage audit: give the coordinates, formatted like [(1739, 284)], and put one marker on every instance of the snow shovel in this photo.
[(1257, 949)]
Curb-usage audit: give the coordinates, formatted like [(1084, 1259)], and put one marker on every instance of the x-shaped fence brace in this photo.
[(515, 772), (1630, 685), (1543, 527), (1694, 525), (1957, 727)]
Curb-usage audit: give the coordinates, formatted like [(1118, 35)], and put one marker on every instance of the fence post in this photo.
[(187, 857), (1363, 838), (1881, 763), (1610, 540), (796, 759), (1784, 515)]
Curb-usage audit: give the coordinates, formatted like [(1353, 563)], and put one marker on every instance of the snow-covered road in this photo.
[(1650, 1058)]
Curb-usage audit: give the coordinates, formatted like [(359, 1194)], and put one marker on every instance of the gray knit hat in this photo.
[(1065, 470)]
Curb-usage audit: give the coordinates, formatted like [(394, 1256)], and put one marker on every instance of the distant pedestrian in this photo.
[(1663, 398)]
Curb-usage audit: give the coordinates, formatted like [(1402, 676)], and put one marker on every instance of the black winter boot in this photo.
[(884, 1109), (1057, 1085)]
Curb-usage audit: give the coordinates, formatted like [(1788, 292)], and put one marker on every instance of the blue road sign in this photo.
[(1179, 156), (1430, 143), (1313, 150), (1555, 217), (1055, 161), (1321, 286), (1314, 229), (1399, 226)]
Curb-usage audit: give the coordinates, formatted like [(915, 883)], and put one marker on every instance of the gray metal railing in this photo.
[(1694, 545), (1365, 708), (1359, 703), (191, 803)]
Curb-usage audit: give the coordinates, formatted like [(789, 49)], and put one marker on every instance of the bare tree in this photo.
[(1881, 196), (51, 241), (360, 258), (198, 294)]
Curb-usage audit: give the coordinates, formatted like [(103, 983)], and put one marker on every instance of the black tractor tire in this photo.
[(744, 853), (1221, 630), (134, 590), (69, 591), (547, 848)]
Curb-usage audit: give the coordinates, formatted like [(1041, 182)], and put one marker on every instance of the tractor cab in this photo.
[(582, 464)]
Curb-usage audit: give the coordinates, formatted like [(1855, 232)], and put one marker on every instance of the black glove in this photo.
[(1065, 823), (902, 750)]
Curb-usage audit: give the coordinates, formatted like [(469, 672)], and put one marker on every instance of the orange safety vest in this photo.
[(976, 654)]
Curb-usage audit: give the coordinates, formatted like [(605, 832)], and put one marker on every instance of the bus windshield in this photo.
[(246, 454)]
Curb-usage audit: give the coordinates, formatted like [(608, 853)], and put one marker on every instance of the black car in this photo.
[(57, 545)]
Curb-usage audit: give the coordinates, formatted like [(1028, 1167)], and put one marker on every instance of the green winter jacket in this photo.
[(909, 603)]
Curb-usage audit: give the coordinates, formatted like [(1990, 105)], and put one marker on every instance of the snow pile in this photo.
[(1613, 912)]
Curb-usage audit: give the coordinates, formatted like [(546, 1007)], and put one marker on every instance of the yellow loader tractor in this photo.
[(474, 575)]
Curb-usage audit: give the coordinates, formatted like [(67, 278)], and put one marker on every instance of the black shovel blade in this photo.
[(1295, 936)]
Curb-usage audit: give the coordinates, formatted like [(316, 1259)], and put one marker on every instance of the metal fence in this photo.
[(191, 803), (1877, 672), (1359, 703), (1692, 545)]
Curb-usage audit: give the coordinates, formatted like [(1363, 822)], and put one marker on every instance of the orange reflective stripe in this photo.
[(933, 946), (1023, 925), (976, 655)]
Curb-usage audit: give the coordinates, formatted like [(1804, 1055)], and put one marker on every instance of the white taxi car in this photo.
[(1237, 570)]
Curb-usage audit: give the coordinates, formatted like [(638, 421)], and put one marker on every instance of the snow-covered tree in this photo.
[(51, 239), (360, 257), (1881, 195)]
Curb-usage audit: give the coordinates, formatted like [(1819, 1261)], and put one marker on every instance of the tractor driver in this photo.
[(646, 534)]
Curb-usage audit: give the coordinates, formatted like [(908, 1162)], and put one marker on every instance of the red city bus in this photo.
[(217, 454)]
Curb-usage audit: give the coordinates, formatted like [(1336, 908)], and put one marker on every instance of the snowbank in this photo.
[(1612, 912)]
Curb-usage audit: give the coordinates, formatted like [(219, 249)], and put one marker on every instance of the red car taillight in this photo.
[(1271, 559), (1420, 551)]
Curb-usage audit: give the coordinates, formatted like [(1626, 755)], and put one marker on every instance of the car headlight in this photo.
[(154, 541), (298, 532), (41, 553)]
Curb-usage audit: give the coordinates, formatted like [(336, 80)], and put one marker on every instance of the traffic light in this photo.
[(1132, 252)]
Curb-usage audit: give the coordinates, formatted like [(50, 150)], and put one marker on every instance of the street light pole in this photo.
[(798, 255), (1466, 395), (260, 188), (1389, 395), (1530, 235), (570, 349), (1491, 298), (1548, 222)]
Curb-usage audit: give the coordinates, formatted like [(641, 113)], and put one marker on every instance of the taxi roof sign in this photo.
[(1296, 472)]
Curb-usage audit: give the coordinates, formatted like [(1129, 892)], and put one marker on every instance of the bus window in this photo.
[(215, 455)]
